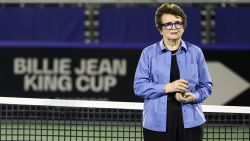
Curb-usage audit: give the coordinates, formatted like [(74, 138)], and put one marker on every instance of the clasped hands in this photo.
[(181, 88)]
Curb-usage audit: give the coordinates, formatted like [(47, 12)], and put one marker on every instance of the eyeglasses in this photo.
[(169, 25)]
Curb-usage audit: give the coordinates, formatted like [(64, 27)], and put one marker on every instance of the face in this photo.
[(173, 26)]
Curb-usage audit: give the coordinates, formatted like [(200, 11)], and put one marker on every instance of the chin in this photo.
[(174, 38)]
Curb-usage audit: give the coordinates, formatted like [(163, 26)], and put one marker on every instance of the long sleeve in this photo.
[(204, 88), (143, 85)]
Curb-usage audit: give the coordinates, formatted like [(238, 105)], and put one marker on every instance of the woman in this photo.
[(173, 78)]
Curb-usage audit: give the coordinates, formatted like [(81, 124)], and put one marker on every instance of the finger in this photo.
[(184, 88), (188, 94), (182, 98), (185, 99), (177, 96), (190, 97), (183, 94), (183, 85), (183, 81), (181, 89)]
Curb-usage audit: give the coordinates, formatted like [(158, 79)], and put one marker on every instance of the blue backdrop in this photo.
[(136, 25), (232, 25), (41, 24)]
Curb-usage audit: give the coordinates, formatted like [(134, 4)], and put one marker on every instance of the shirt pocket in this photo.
[(159, 71)]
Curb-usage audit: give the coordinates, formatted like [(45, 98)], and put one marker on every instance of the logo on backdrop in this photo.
[(63, 75), (105, 74)]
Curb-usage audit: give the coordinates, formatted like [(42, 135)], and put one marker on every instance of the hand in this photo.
[(185, 98), (180, 97), (176, 86), (190, 97)]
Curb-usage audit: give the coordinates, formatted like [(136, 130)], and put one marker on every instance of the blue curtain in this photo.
[(136, 25), (41, 24), (232, 25)]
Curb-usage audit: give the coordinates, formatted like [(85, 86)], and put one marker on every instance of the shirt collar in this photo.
[(183, 45)]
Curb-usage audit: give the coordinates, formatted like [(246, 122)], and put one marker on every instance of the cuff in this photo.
[(197, 96), (160, 88)]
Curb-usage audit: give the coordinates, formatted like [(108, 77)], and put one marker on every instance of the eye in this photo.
[(167, 24), (179, 23)]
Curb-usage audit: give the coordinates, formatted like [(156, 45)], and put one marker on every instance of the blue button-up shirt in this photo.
[(153, 71)]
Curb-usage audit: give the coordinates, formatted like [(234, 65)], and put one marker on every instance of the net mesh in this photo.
[(55, 120)]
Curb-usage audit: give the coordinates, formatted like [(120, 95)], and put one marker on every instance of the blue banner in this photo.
[(41, 24)]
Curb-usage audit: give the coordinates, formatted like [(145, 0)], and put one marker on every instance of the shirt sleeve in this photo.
[(143, 86), (204, 88)]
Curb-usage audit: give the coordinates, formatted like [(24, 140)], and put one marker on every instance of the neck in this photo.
[(172, 44)]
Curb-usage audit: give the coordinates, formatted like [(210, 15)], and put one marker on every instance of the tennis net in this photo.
[(30, 119)]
